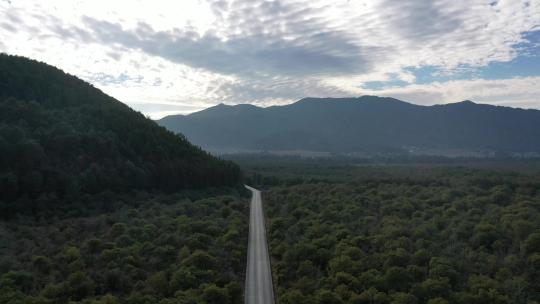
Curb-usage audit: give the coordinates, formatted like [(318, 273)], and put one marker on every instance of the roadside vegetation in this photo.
[(164, 249), (99, 204), (405, 235)]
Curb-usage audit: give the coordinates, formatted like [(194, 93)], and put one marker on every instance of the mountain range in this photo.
[(364, 124)]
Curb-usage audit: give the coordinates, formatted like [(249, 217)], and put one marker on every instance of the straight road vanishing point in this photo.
[(259, 288)]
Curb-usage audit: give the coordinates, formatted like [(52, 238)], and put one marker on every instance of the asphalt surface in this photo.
[(259, 288)]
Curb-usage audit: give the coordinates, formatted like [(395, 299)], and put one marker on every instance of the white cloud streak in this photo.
[(516, 92), (195, 53)]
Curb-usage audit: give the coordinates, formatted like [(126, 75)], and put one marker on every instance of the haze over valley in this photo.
[(367, 125)]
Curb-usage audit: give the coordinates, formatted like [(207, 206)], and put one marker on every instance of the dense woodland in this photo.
[(398, 234), (149, 249), (60, 138), (98, 204)]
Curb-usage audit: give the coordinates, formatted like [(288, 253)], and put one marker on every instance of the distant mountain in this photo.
[(364, 124), (60, 136)]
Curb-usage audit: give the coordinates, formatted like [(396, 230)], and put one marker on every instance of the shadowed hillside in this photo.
[(364, 124), (60, 136)]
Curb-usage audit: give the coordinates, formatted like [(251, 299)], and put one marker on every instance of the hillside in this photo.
[(364, 124), (61, 137)]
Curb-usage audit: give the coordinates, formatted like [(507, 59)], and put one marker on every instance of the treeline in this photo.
[(166, 249), (469, 236), (269, 170), (60, 136)]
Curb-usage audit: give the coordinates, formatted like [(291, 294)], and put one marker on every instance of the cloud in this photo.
[(256, 54), (515, 92), (159, 110), (204, 52), (293, 38)]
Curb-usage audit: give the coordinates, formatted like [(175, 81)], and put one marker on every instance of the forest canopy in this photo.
[(60, 136), (416, 235), (150, 249)]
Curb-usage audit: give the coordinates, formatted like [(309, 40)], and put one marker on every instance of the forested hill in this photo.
[(61, 136), (364, 124)]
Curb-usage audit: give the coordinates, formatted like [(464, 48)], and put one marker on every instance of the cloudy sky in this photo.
[(163, 57)]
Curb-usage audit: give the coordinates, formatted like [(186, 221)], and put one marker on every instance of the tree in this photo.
[(292, 297), (397, 278), (158, 284), (402, 298), (201, 260), (532, 244), (534, 261), (437, 301), (343, 264), (118, 229), (41, 264), (235, 292), (328, 297), (80, 285), (20, 280), (432, 288), (72, 254), (106, 299), (215, 295), (371, 296), (184, 278)]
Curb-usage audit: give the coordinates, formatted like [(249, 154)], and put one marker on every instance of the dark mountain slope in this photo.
[(61, 136), (361, 124)]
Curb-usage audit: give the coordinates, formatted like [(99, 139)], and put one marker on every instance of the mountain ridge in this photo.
[(246, 106), (358, 124)]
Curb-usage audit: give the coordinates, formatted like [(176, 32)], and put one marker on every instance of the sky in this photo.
[(168, 57)]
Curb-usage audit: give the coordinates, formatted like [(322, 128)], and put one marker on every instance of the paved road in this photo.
[(259, 288)]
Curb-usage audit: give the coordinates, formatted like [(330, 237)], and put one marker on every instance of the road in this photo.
[(259, 288)]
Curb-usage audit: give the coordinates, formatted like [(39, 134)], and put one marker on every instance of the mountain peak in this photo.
[(221, 109), (363, 98), (459, 104), (464, 103), (237, 106), (366, 123)]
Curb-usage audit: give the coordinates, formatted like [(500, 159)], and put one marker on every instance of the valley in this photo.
[(100, 204)]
